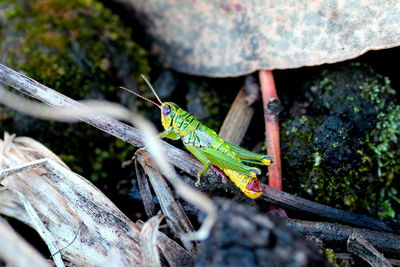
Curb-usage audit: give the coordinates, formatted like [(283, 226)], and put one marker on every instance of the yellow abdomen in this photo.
[(250, 186)]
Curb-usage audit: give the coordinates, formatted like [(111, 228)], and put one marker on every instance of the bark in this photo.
[(333, 234)]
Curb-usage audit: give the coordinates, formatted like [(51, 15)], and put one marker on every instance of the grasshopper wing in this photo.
[(222, 161), (249, 156)]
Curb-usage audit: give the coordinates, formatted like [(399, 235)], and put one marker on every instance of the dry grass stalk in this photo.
[(65, 203), (172, 251), (12, 244), (298, 204), (238, 120), (178, 220), (74, 218), (350, 257), (145, 192), (148, 242)]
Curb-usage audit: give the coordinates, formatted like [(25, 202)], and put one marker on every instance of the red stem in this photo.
[(270, 98)]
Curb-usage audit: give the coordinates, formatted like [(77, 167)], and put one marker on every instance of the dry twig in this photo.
[(299, 204), (357, 245), (334, 234), (238, 120), (145, 191), (349, 257)]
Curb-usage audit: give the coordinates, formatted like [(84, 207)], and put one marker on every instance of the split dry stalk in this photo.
[(60, 204), (73, 217), (172, 209), (172, 251), (145, 192), (148, 242)]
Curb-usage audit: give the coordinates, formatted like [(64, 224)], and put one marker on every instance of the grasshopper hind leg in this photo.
[(220, 173)]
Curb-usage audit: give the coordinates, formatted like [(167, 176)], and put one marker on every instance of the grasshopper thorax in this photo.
[(168, 111)]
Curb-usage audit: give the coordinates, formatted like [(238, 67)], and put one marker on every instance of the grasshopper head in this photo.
[(168, 111)]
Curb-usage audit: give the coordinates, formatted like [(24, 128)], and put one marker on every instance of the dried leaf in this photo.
[(231, 38)]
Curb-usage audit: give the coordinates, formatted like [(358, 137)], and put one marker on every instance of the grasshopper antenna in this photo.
[(142, 97), (151, 87)]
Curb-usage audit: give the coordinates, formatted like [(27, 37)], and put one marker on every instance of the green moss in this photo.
[(331, 258), (73, 46), (347, 154), (383, 154), (82, 50)]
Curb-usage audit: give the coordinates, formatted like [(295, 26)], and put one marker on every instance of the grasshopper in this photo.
[(211, 150)]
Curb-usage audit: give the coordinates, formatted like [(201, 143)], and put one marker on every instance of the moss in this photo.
[(331, 258), (347, 155), (82, 50), (383, 154), (73, 46)]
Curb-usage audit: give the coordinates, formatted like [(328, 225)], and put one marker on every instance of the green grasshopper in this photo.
[(209, 148)]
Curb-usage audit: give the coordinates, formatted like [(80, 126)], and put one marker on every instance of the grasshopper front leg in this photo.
[(170, 133), (173, 134)]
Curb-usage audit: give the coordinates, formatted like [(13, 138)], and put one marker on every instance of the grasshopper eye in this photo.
[(166, 110)]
